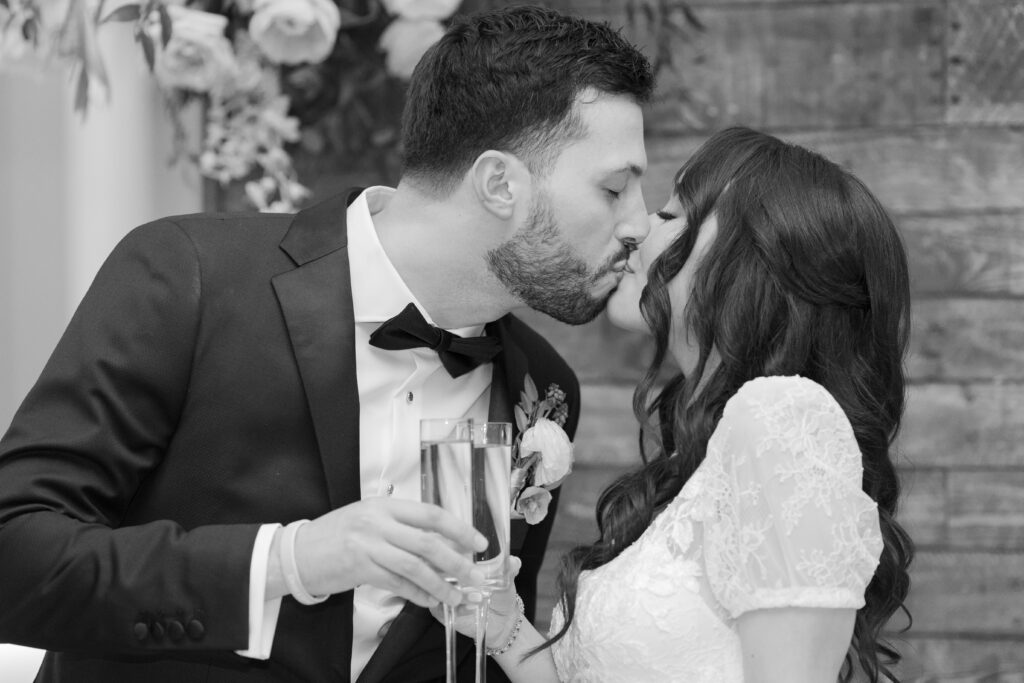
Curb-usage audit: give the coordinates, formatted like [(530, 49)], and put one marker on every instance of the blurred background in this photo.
[(922, 99)]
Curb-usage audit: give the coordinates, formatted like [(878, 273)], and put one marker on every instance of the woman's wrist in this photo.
[(507, 635)]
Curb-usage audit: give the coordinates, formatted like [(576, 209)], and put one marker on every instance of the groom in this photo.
[(227, 377)]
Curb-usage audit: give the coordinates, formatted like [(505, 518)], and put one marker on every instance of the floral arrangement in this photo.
[(328, 75), (541, 453)]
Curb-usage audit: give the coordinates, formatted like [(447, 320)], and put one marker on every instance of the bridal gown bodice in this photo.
[(774, 517)]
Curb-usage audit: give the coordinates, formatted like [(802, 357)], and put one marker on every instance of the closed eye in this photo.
[(666, 216)]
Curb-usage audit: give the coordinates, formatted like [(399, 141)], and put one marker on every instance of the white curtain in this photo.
[(69, 190)]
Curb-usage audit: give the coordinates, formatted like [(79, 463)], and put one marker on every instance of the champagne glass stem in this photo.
[(449, 643), (480, 640)]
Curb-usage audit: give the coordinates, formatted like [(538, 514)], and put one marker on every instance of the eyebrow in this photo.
[(632, 169)]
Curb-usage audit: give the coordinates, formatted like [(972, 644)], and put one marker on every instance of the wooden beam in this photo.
[(912, 171), (965, 254)]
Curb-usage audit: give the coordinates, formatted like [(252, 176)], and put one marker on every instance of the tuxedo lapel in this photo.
[(510, 368), (316, 300)]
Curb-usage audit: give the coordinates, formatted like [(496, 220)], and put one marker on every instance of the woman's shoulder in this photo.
[(772, 388), (791, 409), (781, 398)]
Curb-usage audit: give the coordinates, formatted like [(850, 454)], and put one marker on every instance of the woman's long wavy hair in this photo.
[(807, 276)]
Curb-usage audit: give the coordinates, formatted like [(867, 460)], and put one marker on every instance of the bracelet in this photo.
[(291, 569), (515, 630)]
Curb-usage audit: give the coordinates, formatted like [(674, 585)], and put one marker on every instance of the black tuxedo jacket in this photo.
[(206, 385)]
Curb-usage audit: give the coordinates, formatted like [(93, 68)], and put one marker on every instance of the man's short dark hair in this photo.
[(507, 79)]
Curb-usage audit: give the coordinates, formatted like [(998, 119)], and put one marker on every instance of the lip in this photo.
[(623, 269)]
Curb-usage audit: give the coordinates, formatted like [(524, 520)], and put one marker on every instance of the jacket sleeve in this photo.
[(95, 425)]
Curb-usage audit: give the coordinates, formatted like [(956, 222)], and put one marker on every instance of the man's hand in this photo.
[(402, 546)]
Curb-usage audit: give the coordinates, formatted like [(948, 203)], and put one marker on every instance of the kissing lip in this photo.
[(623, 268)]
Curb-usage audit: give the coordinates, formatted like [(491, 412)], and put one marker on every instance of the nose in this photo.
[(635, 223)]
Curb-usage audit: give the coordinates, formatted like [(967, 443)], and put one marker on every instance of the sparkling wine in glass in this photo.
[(465, 469)]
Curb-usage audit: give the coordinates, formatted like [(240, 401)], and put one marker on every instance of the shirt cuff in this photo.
[(262, 613)]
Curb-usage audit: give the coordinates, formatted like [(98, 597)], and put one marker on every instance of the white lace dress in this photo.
[(773, 517)]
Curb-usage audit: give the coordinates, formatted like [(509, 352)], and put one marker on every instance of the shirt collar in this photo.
[(378, 291)]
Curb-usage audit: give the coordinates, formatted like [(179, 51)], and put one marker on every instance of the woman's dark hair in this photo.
[(807, 276), (507, 79)]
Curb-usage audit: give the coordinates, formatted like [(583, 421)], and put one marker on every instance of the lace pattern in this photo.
[(773, 517)]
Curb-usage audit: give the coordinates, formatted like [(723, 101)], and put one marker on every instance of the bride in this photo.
[(757, 541)]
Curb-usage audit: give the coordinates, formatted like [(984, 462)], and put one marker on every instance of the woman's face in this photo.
[(624, 306)]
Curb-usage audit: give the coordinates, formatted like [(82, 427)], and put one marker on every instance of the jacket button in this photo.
[(140, 631), (157, 630), (196, 630), (175, 630)]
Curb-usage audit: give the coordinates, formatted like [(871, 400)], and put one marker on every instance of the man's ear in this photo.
[(500, 181)]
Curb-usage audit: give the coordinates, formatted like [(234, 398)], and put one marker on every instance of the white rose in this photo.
[(295, 31), (533, 504), (405, 41), (422, 9), (198, 56), (555, 450)]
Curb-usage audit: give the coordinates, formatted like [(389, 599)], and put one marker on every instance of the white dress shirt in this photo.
[(396, 390)]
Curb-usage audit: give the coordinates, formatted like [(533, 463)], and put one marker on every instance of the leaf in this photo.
[(147, 49), (78, 41), (165, 24), (82, 92), (124, 13), (546, 406), (521, 420), (30, 32), (530, 389)]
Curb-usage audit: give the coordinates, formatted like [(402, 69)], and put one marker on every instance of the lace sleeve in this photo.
[(788, 524)]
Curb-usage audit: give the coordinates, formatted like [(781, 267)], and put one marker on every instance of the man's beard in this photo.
[(542, 270)]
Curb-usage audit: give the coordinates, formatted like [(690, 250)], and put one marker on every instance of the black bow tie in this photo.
[(409, 330)]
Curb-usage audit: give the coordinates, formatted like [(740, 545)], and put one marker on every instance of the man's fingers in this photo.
[(405, 568), (436, 551), (402, 587), (433, 518)]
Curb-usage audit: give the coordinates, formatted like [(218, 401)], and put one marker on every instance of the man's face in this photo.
[(586, 216)]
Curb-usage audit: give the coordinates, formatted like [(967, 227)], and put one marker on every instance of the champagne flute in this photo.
[(465, 468), (445, 444), (492, 509)]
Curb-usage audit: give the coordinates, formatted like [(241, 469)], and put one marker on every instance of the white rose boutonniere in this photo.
[(542, 452), (295, 31)]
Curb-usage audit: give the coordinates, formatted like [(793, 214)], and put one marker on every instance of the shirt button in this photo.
[(389, 489), (409, 397)]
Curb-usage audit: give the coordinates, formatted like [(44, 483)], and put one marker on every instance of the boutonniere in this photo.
[(541, 453)]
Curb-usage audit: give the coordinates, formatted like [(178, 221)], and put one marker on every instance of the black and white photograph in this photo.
[(547, 341)]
